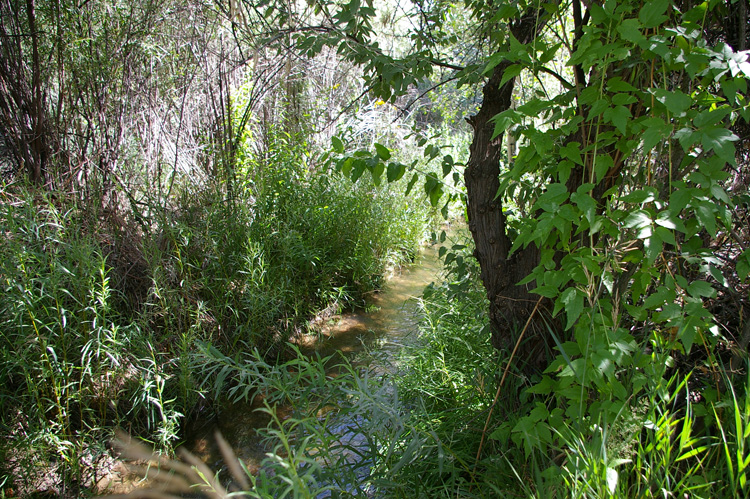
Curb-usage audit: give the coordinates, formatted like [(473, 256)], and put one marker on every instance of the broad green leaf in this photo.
[(637, 219), (344, 165), (383, 152), (586, 204), (511, 72), (661, 296), (705, 213), (377, 172), (720, 194), (700, 289), (447, 164), (616, 84), (652, 13), (653, 246), (711, 116), (564, 168), (602, 166), (720, 140), (553, 197), (434, 189), (572, 301), (630, 31), (395, 171), (359, 166), (680, 198), (717, 274), (623, 99), (665, 235), (338, 146), (504, 120), (619, 117), (640, 196), (534, 107), (687, 335), (546, 290), (436, 194), (668, 220), (656, 133), (572, 151), (677, 102)]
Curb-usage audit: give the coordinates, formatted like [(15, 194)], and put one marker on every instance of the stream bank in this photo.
[(368, 340)]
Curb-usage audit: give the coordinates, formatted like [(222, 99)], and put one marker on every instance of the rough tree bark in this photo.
[(510, 304)]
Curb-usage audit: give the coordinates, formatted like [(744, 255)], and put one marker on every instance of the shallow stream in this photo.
[(372, 336)]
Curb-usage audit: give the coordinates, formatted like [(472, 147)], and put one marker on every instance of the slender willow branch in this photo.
[(446, 65), (565, 83)]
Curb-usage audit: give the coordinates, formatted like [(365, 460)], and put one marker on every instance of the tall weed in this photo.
[(70, 366)]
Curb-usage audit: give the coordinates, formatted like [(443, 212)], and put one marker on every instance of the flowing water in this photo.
[(373, 336)]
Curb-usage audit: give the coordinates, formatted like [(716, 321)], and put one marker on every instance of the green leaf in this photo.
[(493, 61), (359, 166), (586, 204), (677, 102), (434, 189), (637, 219), (639, 196), (411, 183), (669, 221), (687, 335), (436, 194), (338, 146), (680, 198), (630, 30), (383, 152), (510, 72), (377, 172), (665, 235), (504, 120), (553, 197), (705, 213), (656, 132), (534, 107), (652, 13), (395, 171), (572, 301), (700, 289), (654, 246), (604, 163), (743, 265), (616, 84), (447, 164), (623, 99), (572, 151), (720, 140), (717, 274)]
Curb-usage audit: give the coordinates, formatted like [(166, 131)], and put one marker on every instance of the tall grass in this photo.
[(100, 322), (71, 363)]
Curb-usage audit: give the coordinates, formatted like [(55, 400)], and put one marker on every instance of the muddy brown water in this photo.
[(372, 336)]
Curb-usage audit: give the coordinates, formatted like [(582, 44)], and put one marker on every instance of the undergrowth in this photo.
[(440, 427), (101, 316)]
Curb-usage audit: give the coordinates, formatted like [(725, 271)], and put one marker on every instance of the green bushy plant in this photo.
[(72, 366)]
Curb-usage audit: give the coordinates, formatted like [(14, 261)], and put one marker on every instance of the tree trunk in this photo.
[(510, 304)]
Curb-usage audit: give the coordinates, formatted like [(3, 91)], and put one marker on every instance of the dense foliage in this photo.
[(101, 322)]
